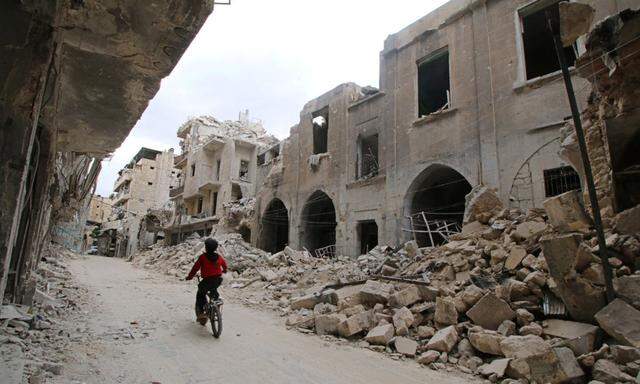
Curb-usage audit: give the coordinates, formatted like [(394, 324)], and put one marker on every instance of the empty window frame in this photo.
[(320, 121), (218, 170), (214, 203), (275, 152), (434, 92), (243, 172), (560, 180), (368, 235), (539, 52), (261, 159), (200, 201), (367, 163), (193, 169)]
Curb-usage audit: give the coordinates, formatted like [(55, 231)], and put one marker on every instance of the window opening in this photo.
[(193, 169), (433, 84), (560, 180), (244, 170), (261, 159), (368, 235), (367, 164), (320, 120)]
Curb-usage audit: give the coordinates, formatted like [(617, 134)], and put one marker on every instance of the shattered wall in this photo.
[(53, 107), (499, 128)]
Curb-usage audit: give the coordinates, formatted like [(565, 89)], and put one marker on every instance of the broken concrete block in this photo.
[(490, 311), (528, 230), (474, 228), (405, 297), (412, 248), (304, 302), (531, 329), (628, 222), (425, 332), (497, 367), (446, 313), (566, 212), (471, 295), (623, 354), (428, 293), (580, 337), (560, 252), (524, 317), (628, 289), (267, 274), (481, 204), (621, 321), (487, 342), (405, 346), (444, 340), (403, 319), (349, 327), (535, 278), (520, 347), (569, 369), (516, 255), (428, 357), (374, 292), (507, 328), (608, 372), (328, 324), (380, 335)]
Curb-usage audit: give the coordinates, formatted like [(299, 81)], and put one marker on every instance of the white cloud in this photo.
[(270, 57)]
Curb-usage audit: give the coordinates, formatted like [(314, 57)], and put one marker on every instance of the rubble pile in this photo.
[(33, 339), (515, 296), (237, 214)]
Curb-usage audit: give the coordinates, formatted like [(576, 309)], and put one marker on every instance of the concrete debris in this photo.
[(628, 222), (566, 213), (477, 301), (621, 321), (607, 372), (482, 203)]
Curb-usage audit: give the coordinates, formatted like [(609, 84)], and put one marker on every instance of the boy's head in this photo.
[(210, 246)]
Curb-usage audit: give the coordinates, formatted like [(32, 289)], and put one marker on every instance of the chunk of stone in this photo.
[(515, 257), (528, 230), (623, 354), (487, 342), (608, 372), (568, 365), (374, 292), (628, 289), (520, 347), (628, 222), (428, 293), (380, 335), (405, 297), (490, 311), (446, 313), (428, 357), (580, 337), (524, 317), (535, 278), (444, 340), (566, 213), (304, 302), (497, 367), (402, 319), (531, 329), (349, 327), (481, 204), (405, 346), (621, 321), (425, 332), (412, 248), (507, 328), (471, 295), (498, 256), (328, 324)]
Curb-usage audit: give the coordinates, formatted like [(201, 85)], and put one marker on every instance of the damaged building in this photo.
[(142, 186), (75, 76), (217, 166), (471, 94)]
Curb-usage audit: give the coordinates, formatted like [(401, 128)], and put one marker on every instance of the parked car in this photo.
[(93, 250)]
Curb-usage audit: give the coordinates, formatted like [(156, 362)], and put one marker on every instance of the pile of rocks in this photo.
[(33, 338), (515, 296)]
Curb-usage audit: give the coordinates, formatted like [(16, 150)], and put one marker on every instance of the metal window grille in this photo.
[(560, 180)]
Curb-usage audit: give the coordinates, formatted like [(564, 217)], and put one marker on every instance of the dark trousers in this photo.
[(208, 284)]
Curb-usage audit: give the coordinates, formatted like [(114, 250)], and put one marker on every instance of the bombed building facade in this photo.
[(75, 76), (217, 165), (470, 94)]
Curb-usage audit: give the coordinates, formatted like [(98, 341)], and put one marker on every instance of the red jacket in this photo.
[(207, 268)]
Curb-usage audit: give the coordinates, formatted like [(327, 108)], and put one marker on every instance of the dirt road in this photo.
[(142, 331)]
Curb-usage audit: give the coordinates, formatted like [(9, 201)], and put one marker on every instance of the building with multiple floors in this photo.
[(470, 94), (218, 164)]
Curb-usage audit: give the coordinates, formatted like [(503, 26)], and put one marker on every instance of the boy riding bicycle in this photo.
[(211, 266)]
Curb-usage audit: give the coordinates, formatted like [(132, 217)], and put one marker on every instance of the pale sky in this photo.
[(270, 57)]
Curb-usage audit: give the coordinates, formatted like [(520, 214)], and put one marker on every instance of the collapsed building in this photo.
[(75, 77), (471, 94), (141, 193), (218, 165), (98, 212)]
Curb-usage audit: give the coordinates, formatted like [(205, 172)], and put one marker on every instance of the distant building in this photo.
[(217, 165), (143, 185)]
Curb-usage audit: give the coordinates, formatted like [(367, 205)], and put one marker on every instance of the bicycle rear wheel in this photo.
[(215, 318)]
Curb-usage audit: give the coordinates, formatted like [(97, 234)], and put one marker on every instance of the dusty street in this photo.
[(168, 347)]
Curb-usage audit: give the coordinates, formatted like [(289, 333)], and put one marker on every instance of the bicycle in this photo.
[(213, 310)]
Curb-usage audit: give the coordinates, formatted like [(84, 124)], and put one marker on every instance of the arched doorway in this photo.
[(275, 227), (318, 222), (434, 204)]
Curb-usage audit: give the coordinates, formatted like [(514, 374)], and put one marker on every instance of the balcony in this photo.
[(121, 197), (176, 192), (180, 161), (123, 179)]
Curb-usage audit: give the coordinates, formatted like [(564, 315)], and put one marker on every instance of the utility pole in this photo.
[(586, 163)]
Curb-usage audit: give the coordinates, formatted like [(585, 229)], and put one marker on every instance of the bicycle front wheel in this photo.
[(215, 318)]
